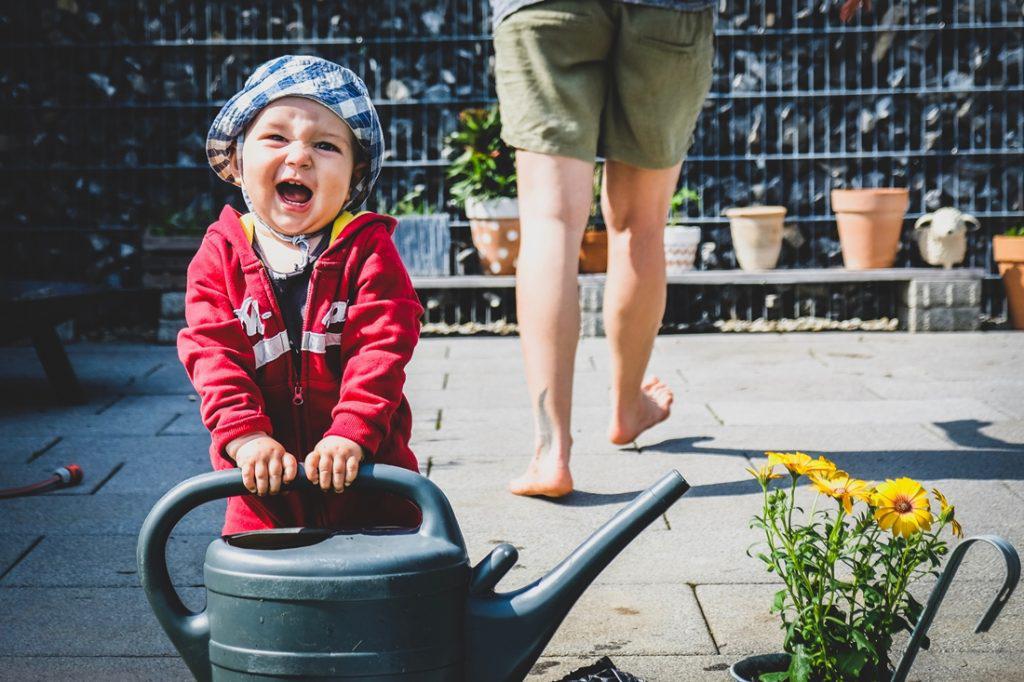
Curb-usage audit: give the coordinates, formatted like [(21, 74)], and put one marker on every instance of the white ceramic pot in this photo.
[(756, 235), (503, 208), (681, 242)]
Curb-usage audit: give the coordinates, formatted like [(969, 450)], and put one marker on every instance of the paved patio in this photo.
[(681, 603)]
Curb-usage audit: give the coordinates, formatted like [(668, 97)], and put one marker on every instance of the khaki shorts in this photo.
[(582, 79)]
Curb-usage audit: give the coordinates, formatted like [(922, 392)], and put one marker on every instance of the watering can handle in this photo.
[(189, 631)]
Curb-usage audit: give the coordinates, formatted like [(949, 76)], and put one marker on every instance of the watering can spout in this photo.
[(507, 632)]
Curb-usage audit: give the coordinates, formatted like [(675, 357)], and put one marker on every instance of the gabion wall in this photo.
[(106, 105)]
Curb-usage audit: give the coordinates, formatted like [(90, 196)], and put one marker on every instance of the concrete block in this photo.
[(940, 319), (936, 294), (104, 561), (591, 324), (592, 295), (172, 305), (53, 621), (167, 330)]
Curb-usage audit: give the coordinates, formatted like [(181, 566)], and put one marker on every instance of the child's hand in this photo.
[(334, 463), (264, 463)]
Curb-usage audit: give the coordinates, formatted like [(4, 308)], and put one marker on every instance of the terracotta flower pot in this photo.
[(594, 252), (494, 226), (1008, 253), (756, 235), (870, 222), (681, 242)]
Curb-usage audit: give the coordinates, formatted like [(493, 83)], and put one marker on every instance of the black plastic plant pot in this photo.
[(752, 667)]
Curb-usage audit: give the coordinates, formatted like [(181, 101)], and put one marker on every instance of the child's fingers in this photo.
[(351, 470), (261, 477), (291, 467), (248, 477), (312, 465), (338, 471), (274, 468), (326, 476)]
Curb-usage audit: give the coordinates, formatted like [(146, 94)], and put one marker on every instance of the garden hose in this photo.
[(64, 477)]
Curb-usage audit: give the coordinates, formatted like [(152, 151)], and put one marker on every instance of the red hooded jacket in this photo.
[(361, 324)]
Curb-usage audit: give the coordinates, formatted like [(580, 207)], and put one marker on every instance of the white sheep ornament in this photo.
[(942, 236)]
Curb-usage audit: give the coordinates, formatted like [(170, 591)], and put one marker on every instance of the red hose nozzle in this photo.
[(69, 475)]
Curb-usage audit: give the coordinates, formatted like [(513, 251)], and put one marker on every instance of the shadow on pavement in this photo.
[(979, 457)]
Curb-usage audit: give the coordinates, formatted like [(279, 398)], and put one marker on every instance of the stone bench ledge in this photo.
[(714, 277)]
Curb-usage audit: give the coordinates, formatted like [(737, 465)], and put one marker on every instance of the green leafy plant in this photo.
[(1015, 231), (683, 196), (846, 574), (482, 166), (412, 203)]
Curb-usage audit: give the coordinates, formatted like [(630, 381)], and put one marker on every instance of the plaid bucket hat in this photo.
[(334, 86)]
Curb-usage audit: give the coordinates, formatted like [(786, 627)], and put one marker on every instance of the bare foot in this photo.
[(545, 477), (651, 407)]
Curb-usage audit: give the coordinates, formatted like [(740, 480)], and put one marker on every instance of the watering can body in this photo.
[(387, 604)]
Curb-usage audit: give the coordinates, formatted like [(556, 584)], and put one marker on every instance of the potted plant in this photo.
[(484, 175), (423, 237), (846, 568), (1008, 252), (870, 222), (171, 240), (756, 235), (681, 241), (594, 247)]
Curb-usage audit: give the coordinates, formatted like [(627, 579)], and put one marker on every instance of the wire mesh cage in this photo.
[(107, 104)]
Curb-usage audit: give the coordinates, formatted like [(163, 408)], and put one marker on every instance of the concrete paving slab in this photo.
[(621, 619), (54, 621), (874, 412), (104, 561), (95, 473), (740, 622), (13, 548), (648, 668), (90, 514), (125, 415), (109, 668), (163, 378), (19, 449)]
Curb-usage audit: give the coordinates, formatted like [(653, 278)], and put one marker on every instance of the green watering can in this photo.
[(390, 605)]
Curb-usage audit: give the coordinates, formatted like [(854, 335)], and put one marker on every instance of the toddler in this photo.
[(301, 316)]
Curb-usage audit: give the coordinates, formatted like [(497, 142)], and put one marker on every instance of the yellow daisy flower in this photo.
[(800, 463), (948, 513), (902, 507), (764, 473), (839, 485)]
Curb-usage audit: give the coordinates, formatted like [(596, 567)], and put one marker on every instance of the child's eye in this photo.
[(326, 146), (276, 138)]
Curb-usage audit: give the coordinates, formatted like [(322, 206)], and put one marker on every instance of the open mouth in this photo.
[(294, 193)]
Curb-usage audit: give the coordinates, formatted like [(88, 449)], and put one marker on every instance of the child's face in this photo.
[(298, 164)]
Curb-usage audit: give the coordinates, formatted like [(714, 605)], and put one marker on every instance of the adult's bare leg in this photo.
[(635, 203), (554, 202)]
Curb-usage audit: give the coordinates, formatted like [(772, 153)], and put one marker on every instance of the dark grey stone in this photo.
[(961, 319)]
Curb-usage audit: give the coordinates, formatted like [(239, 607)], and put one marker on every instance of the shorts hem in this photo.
[(528, 144)]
